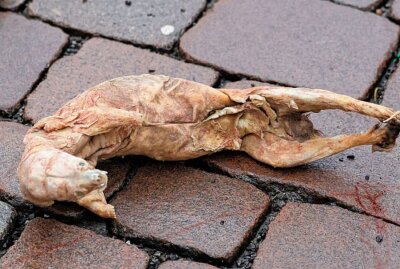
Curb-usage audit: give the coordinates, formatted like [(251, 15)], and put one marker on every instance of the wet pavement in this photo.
[(225, 210)]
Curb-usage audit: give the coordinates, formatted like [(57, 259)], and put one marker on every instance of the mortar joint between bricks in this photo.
[(377, 91)]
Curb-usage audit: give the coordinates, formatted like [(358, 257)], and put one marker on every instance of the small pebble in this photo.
[(128, 3), (367, 177), (340, 159), (379, 239), (167, 29), (351, 157), (222, 222)]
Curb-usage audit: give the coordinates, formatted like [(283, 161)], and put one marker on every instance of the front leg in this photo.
[(279, 152), (96, 202)]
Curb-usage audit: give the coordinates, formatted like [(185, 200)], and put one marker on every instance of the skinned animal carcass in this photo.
[(174, 119)]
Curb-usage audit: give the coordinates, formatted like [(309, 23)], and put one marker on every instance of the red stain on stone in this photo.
[(367, 198)]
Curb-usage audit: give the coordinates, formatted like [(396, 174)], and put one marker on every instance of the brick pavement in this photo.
[(225, 210)]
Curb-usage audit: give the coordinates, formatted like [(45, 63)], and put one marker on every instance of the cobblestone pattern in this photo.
[(195, 210), (226, 210), (302, 43)]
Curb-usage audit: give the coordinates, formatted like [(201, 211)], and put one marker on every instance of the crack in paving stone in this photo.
[(377, 92), (224, 78), (174, 52), (75, 42), (23, 217), (19, 9), (246, 259), (371, 7), (383, 9), (171, 251), (134, 164), (158, 257), (166, 247), (157, 254)]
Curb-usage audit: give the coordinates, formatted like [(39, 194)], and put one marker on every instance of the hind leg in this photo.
[(279, 152), (291, 100)]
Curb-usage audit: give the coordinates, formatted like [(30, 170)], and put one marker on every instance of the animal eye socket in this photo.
[(81, 164)]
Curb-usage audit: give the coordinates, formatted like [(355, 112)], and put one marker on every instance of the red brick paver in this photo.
[(185, 265), (190, 208), (321, 236), (308, 43), (151, 22), (11, 148), (99, 60), (26, 48), (51, 244)]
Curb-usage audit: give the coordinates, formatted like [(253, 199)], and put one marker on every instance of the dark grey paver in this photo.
[(321, 236), (308, 43), (7, 218), (193, 209), (11, 148), (26, 48), (153, 22), (52, 244), (99, 60)]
